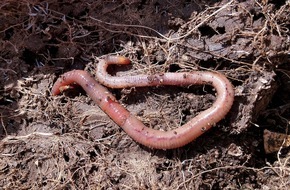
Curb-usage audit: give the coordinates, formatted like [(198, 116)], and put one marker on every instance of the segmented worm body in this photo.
[(129, 123)]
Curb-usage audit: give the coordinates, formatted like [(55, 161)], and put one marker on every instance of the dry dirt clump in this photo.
[(67, 142)]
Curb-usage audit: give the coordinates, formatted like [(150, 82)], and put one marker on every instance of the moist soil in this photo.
[(67, 142)]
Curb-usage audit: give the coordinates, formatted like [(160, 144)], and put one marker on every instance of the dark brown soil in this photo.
[(67, 142)]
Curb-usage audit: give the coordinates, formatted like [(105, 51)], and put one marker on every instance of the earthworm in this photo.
[(129, 123)]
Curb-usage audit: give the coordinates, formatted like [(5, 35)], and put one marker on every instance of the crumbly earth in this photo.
[(67, 142)]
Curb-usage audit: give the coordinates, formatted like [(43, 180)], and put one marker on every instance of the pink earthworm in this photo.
[(129, 123)]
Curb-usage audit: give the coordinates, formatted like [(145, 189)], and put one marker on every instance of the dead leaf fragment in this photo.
[(274, 141)]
